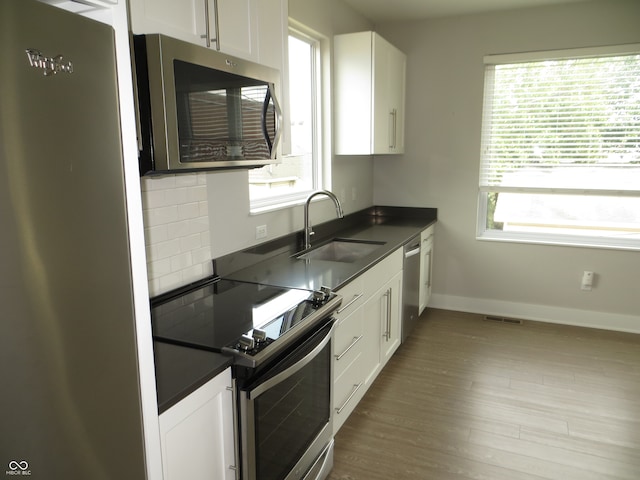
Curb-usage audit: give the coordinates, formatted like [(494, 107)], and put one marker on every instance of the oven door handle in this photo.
[(303, 362)]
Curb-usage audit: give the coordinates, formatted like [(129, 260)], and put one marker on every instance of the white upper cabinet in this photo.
[(182, 19), (230, 26), (370, 76), (237, 28), (273, 31)]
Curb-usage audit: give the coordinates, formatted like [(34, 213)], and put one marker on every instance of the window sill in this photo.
[(284, 202), (630, 244)]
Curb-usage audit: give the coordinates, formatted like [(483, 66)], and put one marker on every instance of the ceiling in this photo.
[(383, 11)]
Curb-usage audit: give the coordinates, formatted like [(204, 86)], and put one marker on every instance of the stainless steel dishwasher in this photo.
[(410, 286)]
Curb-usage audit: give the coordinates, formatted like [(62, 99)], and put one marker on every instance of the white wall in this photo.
[(440, 167)]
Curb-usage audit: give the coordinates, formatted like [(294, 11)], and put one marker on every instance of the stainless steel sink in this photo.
[(344, 250)]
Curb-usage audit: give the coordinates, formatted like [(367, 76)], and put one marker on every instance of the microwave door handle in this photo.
[(265, 109)]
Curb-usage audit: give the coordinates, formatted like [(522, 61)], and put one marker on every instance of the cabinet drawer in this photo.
[(352, 297), (348, 341), (348, 390), (381, 273)]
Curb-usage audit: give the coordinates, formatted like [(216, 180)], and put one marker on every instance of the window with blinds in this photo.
[(560, 158)]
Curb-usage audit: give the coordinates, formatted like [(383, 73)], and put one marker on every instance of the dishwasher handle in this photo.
[(414, 251)]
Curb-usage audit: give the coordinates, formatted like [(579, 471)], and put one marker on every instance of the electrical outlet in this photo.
[(261, 232), (587, 280)]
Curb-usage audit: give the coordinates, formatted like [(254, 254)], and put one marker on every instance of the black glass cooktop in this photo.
[(217, 314)]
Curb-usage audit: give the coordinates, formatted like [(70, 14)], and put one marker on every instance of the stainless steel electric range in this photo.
[(281, 341)]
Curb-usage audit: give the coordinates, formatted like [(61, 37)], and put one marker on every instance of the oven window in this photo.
[(289, 416), (222, 116)]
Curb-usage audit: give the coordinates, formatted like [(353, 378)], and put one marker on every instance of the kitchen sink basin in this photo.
[(344, 250)]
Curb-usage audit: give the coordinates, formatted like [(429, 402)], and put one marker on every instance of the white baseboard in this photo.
[(540, 313)]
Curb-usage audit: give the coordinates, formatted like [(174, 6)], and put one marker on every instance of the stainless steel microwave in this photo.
[(199, 109)]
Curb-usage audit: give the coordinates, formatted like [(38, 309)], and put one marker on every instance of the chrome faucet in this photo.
[(307, 226)]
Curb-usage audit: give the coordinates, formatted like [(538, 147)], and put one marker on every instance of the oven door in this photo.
[(286, 416)]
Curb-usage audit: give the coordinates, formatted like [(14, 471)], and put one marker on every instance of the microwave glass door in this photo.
[(222, 116)]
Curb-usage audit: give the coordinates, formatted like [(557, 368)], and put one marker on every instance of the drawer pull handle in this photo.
[(353, 392), (355, 340), (353, 300)]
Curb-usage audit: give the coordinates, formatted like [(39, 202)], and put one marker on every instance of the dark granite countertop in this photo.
[(182, 370), (277, 263)]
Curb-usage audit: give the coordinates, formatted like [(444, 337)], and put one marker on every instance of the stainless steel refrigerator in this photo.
[(69, 390)]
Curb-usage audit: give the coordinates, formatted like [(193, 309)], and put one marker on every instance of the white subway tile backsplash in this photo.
[(154, 198), (188, 180), (164, 182), (159, 268), (196, 272), (202, 256), (156, 234), (188, 211), (166, 249), (180, 262), (205, 238), (197, 193), (177, 196), (169, 282), (191, 242), (176, 230), (176, 215), (160, 216)]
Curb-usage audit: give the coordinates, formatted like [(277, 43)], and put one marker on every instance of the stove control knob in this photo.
[(246, 343), (259, 335), (317, 298), (326, 291)]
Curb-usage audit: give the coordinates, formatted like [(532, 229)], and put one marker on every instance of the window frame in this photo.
[(320, 165), (483, 232)]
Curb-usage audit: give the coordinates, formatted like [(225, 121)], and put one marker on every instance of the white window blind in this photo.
[(562, 124)]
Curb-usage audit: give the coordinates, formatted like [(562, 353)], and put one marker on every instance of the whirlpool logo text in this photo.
[(49, 65), (18, 467)]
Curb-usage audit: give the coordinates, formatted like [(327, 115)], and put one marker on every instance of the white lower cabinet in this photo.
[(348, 371), (382, 313), (367, 334), (197, 433), (389, 307)]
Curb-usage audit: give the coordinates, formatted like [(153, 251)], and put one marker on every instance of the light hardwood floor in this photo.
[(465, 398)]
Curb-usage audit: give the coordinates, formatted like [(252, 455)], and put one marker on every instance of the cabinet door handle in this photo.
[(353, 300), (353, 392), (429, 269), (355, 340), (389, 313), (236, 453), (216, 23), (387, 332), (394, 128), (207, 29)]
